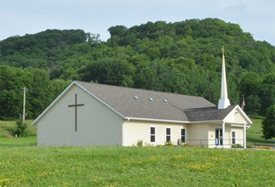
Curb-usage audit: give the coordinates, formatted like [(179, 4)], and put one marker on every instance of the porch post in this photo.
[(244, 136), (223, 134)]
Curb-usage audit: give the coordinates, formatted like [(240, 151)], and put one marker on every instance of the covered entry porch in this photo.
[(221, 128)]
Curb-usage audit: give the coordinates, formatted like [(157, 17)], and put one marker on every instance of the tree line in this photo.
[(181, 57)]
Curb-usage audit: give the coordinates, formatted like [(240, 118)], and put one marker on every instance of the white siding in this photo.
[(135, 131), (97, 124)]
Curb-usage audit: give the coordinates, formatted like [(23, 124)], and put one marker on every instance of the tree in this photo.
[(20, 127), (109, 71), (266, 93), (268, 124), (249, 83)]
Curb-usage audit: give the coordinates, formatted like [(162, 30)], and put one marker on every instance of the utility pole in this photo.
[(24, 103)]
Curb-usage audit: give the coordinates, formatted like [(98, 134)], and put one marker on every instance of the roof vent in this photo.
[(136, 97), (165, 100), (150, 99)]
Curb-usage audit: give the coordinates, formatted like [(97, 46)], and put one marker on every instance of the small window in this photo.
[(152, 134), (168, 135), (233, 138), (182, 135)]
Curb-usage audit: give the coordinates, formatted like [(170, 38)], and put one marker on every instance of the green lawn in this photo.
[(134, 166), (7, 134), (18, 141), (254, 133)]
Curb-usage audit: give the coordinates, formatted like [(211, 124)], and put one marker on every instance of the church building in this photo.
[(90, 114)]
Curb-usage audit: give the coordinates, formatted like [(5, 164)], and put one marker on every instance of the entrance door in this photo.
[(218, 136)]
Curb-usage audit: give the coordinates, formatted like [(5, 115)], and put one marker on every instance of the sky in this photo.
[(20, 17)]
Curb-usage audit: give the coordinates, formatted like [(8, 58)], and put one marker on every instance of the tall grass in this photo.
[(135, 166)]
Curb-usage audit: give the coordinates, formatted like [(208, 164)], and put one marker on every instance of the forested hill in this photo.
[(182, 57)]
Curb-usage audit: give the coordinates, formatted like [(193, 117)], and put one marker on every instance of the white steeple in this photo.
[(224, 101)]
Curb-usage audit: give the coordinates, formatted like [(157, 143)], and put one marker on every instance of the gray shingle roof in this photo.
[(208, 113), (178, 107)]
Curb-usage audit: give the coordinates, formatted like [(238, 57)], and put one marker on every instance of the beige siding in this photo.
[(238, 134), (135, 131), (212, 138), (235, 117), (97, 124), (198, 134)]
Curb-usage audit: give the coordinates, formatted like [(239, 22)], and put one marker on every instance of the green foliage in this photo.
[(268, 123), (134, 166), (237, 146), (140, 143), (41, 91), (182, 57), (109, 71), (254, 134), (8, 129), (168, 144), (20, 127)]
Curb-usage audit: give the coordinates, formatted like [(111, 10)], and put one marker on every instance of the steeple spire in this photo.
[(224, 101)]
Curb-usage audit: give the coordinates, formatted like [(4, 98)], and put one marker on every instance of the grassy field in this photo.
[(134, 166), (7, 137), (18, 141), (24, 165), (254, 133)]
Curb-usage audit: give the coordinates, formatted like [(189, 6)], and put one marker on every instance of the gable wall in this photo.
[(135, 131), (97, 124), (235, 117)]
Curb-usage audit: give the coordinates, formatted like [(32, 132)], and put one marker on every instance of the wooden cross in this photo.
[(75, 105)]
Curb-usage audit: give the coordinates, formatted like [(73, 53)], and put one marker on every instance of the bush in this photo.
[(237, 146), (20, 127), (140, 143), (168, 143), (268, 124)]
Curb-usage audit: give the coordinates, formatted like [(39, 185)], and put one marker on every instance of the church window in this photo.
[(168, 135), (233, 137), (182, 135), (152, 134)]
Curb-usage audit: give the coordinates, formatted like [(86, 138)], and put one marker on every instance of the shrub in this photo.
[(249, 146), (20, 127), (168, 143), (237, 146), (140, 143)]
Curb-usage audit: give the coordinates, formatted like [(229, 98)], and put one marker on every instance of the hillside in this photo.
[(182, 57)]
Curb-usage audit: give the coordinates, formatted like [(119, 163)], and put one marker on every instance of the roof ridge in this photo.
[(141, 89)]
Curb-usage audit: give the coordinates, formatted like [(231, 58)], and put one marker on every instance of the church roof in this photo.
[(208, 113), (138, 104), (145, 104)]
